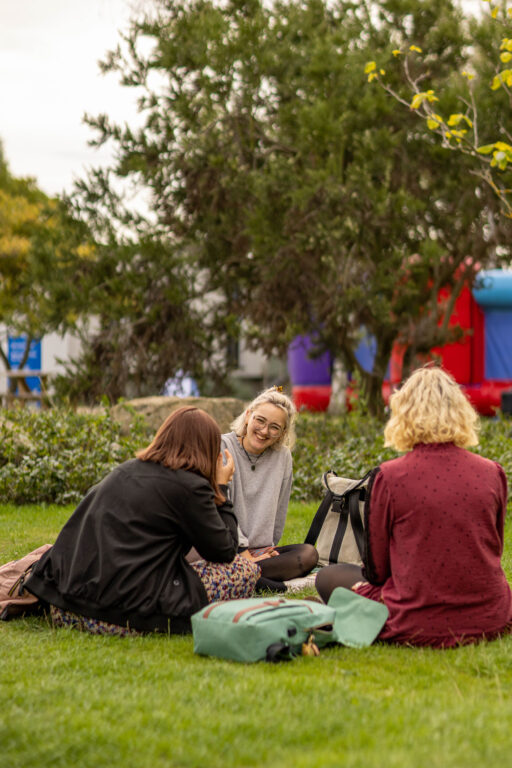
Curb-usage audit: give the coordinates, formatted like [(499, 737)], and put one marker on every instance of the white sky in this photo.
[(49, 77)]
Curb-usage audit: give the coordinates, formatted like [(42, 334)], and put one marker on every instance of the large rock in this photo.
[(156, 409)]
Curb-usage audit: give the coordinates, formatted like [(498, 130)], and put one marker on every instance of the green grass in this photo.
[(71, 699)]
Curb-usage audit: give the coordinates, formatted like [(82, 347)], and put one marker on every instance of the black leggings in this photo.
[(332, 576), (293, 560)]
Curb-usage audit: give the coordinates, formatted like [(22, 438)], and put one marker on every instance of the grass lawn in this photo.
[(70, 699)]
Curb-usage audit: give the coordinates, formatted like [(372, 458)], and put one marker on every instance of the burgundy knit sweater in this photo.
[(434, 532)]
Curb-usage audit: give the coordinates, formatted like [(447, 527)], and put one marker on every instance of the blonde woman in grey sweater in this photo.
[(260, 445)]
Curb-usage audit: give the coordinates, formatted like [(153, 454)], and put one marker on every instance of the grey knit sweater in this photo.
[(260, 497)]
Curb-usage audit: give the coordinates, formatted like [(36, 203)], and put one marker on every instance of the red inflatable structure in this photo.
[(481, 362)]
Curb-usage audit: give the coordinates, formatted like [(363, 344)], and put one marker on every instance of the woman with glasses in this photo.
[(260, 445)]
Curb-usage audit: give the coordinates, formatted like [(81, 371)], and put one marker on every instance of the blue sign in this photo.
[(15, 352)]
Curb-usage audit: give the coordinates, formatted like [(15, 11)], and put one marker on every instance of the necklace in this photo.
[(251, 462)]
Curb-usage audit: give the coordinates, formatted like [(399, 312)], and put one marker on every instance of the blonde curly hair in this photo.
[(430, 408), (273, 396)]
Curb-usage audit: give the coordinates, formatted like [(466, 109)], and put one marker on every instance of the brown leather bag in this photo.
[(15, 600)]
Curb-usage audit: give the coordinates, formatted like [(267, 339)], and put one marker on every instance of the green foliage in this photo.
[(354, 443), (496, 442), (150, 319), (472, 113), (350, 445), (57, 455), (42, 249)]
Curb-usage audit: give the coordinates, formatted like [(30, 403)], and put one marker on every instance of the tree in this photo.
[(40, 247), (150, 316), (473, 118), (307, 202)]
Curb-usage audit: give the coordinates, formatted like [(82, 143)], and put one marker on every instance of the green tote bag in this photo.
[(274, 629)]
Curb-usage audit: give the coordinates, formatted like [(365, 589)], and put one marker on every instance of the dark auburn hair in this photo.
[(188, 439)]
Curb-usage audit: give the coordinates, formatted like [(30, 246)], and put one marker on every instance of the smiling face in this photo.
[(265, 425)]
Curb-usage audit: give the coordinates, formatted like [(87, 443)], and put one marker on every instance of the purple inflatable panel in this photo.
[(304, 370)]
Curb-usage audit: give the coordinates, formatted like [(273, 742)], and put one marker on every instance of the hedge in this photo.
[(55, 456)]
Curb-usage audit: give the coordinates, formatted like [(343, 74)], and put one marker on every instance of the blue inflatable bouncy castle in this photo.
[(492, 292)]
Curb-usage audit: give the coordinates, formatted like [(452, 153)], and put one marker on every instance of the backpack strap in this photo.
[(357, 523), (279, 652), (264, 604), (369, 567), (355, 515), (340, 507), (321, 514)]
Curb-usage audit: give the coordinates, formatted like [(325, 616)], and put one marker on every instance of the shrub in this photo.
[(350, 445), (353, 443), (55, 456)]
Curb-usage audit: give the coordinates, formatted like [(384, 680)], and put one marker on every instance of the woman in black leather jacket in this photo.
[(119, 564)]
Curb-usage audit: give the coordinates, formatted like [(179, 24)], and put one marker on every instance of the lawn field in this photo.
[(70, 699)]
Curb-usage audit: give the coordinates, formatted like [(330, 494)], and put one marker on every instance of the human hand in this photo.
[(271, 552), (224, 472), (265, 556), (254, 559)]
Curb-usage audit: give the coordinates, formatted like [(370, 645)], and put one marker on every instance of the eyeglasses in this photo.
[(273, 429)]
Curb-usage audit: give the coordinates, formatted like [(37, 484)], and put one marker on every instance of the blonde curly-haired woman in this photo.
[(434, 524)]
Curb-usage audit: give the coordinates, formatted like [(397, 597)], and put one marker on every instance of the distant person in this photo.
[(260, 488), (119, 563), (180, 385), (434, 524)]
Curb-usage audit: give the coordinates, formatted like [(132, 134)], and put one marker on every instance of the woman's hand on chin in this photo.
[(225, 471)]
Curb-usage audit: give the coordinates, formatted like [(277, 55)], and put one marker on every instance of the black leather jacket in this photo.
[(121, 556)]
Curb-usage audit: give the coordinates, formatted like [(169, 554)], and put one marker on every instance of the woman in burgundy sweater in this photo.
[(434, 524)]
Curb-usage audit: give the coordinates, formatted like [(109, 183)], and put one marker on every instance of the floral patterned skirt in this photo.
[(62, 618), (228, 581), (222, 581)]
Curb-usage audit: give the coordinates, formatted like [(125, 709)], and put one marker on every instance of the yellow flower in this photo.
[(415, 48), (396, 52)]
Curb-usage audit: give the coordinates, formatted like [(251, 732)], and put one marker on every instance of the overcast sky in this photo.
[(49, 76)]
